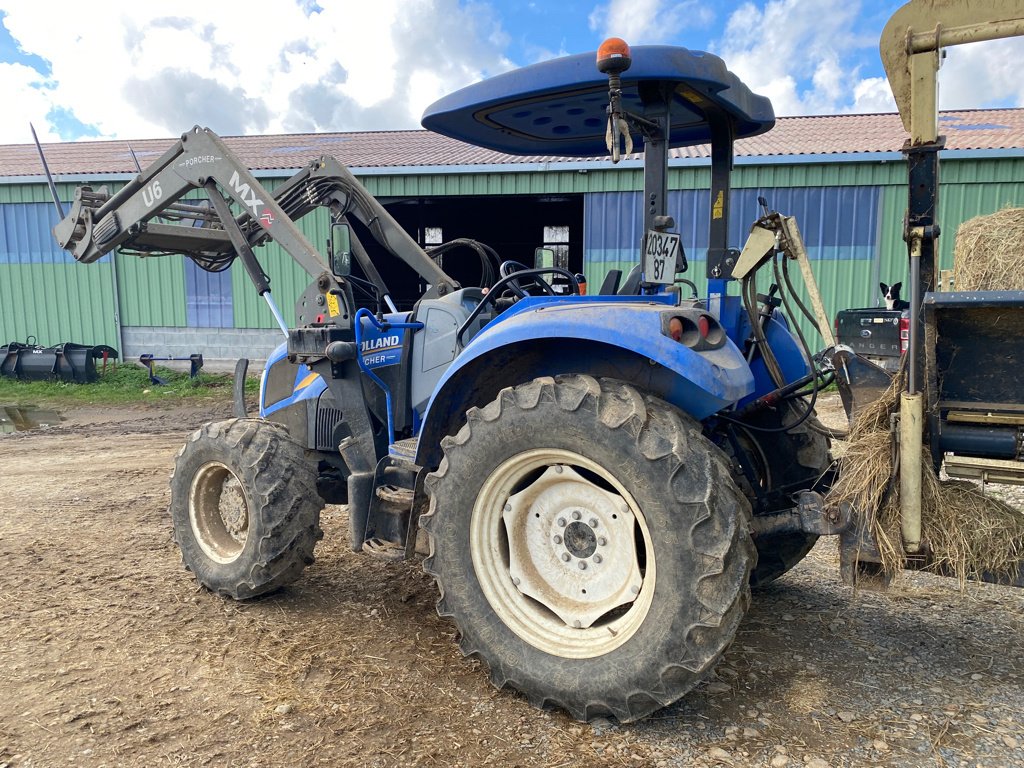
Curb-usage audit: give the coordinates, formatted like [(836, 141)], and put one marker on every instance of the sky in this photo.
[(132, 69)]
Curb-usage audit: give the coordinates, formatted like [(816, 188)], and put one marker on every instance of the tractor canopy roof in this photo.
[(557, 107)]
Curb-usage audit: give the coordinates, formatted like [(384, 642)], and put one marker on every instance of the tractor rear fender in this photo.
[(625, 343)]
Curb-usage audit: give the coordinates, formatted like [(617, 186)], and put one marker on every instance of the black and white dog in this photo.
[(891, 294)]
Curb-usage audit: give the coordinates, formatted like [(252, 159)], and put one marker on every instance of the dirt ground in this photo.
[(110, 654)]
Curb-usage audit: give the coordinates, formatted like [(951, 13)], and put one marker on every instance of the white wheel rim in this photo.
[(556, 553), (218, 511)]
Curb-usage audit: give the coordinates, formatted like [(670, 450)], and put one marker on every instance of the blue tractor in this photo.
[(597, 480)]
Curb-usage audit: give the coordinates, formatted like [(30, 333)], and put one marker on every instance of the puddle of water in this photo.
[(20, 418)]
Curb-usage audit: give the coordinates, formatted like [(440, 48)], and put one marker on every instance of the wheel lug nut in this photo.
[(515, 580), (576, 515), (558, 539), (593, 522), (597, 558), (558, 469), (566, 556), (601, 540), (583, 566), (561, 522), (508, 507)]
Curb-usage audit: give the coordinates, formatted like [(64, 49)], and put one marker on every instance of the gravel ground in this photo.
[(110, 655)]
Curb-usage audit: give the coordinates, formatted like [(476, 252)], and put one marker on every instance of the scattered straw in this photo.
[(989, 252), (966, 532)]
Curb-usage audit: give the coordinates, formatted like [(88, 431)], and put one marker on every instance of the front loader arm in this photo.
[(99, 222), (327, 182), (140, 217)]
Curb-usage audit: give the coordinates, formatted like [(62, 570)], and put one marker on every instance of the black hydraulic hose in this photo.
[(803, 341), (796, 326), (757, 330), (484, 253), (830, 377), (771, 362), (495, 290), (803, 308), (814, 424), (689, 283)]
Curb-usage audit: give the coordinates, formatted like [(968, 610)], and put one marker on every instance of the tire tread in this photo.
[(722, 542)]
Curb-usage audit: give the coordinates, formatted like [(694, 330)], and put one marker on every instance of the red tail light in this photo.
[(904, 334), (703, 326)]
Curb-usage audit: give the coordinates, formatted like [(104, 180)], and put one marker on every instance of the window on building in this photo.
[(555, 252), (432, 236)]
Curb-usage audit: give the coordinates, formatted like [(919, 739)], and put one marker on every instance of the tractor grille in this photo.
[(326, 420)]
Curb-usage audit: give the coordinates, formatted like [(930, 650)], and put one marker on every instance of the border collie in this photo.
[(891, 294)]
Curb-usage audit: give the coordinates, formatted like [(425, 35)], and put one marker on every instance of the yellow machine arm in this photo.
[(910, 46)]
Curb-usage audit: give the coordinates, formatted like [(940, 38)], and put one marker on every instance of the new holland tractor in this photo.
[(596, 480)]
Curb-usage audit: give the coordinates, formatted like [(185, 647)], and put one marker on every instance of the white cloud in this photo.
[(26, 88), (808, 56), (982, 75), (641, 22), (776, 47), (135, 70), (872, 94)]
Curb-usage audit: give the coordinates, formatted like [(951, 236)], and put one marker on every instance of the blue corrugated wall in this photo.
[(840, 226), (207, 298), (25, 236), (836, 222)]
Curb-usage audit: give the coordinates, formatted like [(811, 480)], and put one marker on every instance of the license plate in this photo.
[(660, 250)]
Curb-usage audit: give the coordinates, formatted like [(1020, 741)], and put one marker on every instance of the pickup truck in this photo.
[(880, 335)]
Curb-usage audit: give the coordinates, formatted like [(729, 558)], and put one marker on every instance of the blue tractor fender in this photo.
[(626, 341)]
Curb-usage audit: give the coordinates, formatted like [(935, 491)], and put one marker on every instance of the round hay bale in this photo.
[(989, 252)]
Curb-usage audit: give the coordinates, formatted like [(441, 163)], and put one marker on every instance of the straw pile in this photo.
[(966, 532), (989, 252)]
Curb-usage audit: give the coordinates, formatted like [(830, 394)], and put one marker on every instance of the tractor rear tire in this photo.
[(244, 507), (590, 546)]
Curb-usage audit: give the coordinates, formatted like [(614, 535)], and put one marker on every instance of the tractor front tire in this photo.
[(244, 507), (590, 545)]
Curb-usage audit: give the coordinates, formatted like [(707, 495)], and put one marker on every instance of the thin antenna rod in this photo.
[(137, 166), (49, 178)]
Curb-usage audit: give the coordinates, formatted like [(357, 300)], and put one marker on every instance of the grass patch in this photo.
[(124, 384)]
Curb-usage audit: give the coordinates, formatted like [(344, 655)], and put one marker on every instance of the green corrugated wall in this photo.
[(57, 303), (968, 189), (287, 278), (68, 301), (53, 302)]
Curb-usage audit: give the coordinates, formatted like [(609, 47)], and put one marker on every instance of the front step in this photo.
[(404, 450), (384, 550), (390, 494), (391, 526)]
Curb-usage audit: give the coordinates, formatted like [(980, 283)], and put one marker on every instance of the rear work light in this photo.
[(904, 334)]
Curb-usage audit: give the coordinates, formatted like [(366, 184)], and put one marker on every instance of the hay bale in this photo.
[(989, 252), (966, 532)]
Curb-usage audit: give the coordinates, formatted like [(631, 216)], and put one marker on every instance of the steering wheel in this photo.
[(508, 268), (533, 275)]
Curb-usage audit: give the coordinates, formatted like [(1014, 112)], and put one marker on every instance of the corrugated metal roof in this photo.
[(987, 129)]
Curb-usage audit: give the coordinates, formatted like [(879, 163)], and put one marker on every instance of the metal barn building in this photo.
[(842, 176)]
